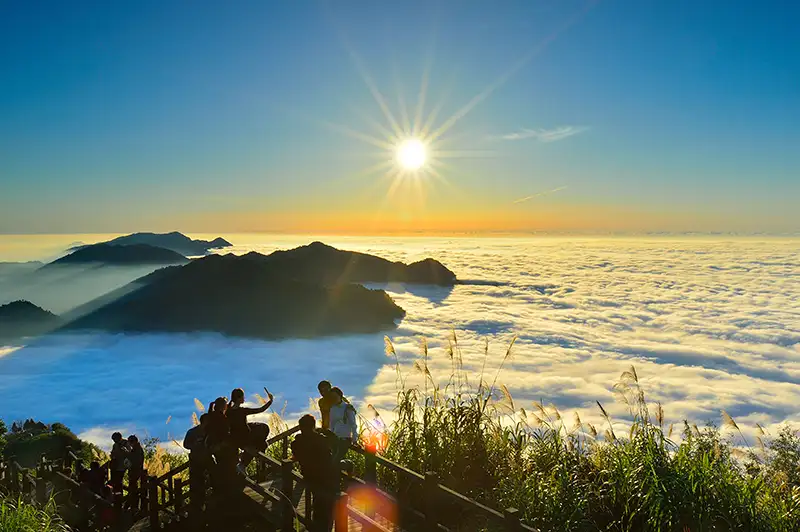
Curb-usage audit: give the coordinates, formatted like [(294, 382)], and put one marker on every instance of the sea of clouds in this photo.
[(710, 324)]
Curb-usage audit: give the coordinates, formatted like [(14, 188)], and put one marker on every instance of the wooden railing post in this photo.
[(342, 515), (196, 487), (261, 471), (179, 498), (512, 521), (26, 485), (285, 449), (41, 488), (287, 487), (370, 467), (168, 496), (153, 496), (432, 496), (68, 461), (143, 491), (13, 471)]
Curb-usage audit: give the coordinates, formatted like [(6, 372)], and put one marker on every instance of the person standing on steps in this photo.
[(199, 463), (247, 436), (343, 425), (95, 478), (325, 403), (218, 441), (136, 471), (120, 462), (312, 451)]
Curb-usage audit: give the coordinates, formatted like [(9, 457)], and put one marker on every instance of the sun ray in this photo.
[(367, 78), (508, 74), (376, 94), (358, 135), (463, 154), (380, 128), (425, 131), (423, 91), (438, 175), (418, 151), (397, 179), (401, 99), (378, 167)]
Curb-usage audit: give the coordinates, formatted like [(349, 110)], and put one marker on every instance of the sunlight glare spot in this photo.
[(411, 154)]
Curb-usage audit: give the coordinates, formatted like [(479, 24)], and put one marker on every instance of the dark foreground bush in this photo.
[(564, 475)]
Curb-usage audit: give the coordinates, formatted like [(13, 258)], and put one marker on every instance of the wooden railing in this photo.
[(149, 496), (435, 496), (169, 498), (22, 483)]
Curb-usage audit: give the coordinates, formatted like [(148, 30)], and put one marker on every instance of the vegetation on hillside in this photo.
[(28, 441), (564, 474), (630, 474), (17, 515)]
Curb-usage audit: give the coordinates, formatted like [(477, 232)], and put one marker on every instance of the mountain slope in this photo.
[(23, 318), (126, 255), (175, 241), (243, 298), (318, 262)]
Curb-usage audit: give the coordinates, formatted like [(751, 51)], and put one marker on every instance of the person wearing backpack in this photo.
[(343, 425), (120, 461)]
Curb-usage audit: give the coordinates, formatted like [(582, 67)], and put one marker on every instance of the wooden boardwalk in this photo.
[(270, 508), (276, 499)]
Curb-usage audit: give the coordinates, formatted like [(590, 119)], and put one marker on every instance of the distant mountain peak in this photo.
[(22, 318), (174, 241), (114, 254)]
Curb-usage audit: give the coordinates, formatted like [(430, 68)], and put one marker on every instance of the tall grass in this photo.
[(17, 515), (564, 474)]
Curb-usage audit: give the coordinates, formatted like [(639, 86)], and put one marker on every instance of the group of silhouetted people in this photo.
[(127, 455), (215, 443), (224, 431), (320, 452)]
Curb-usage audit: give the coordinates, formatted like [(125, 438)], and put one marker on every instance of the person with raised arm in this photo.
[(247, 436)]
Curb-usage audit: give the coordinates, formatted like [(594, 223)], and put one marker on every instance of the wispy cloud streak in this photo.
[(545, 193), (544, 135)]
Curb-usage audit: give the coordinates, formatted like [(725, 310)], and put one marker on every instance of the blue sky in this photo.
[(204, 116)]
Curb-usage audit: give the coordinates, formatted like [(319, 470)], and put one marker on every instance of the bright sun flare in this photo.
[(411, 154)]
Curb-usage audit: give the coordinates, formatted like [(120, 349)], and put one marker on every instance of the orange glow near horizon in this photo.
[(466, 217)]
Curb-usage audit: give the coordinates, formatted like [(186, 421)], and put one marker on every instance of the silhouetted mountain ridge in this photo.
[(236, 296), (23, 318), (128, 255), (318, 262), (175, 241)]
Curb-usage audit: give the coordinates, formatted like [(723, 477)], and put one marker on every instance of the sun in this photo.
[(411, 154)]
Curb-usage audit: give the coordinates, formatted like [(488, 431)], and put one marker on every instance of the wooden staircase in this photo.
[(274, 498)]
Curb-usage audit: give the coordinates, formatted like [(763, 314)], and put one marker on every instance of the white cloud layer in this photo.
[(709, 325)]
